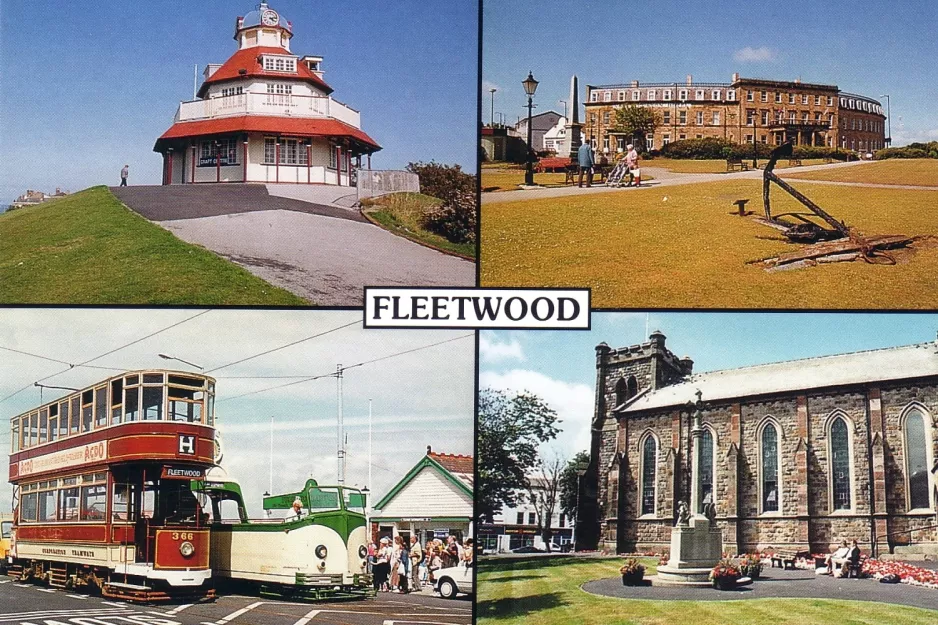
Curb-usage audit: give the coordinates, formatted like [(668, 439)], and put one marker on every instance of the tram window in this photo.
[(321, 499), (100, 406), (210, 417), (43, 425), (47, 505), (120, 510), (53, 428), (33, 429), (6, 528), (87, 399), (183, 381), (152, 378), (74, 418), (132, 379), (15, 434), (117, 394), (93, 502), (28, 508), (63, 419), (132, 403), (354, 501), (152, 403), (68, 503), (185, 411)]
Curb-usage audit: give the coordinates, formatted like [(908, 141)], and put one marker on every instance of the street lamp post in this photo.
[(888, 121), (580, 472), (191, 364), (492, 122), (530, 86)]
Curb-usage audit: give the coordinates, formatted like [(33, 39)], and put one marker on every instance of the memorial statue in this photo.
[(683, 513)]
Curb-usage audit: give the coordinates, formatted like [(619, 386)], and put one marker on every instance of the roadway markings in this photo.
[(237, 613), (46, 615), (308, 617), (46, 589), (179, 609), (82, 597), (5, 581)]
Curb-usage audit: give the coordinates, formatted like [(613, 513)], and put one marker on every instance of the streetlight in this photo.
[(530, 86), (191, 364), (564, 102), (581, 470), (492, 91), (889, 120)]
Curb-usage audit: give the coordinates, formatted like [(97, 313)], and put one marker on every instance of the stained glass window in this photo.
[(840, 464), (649, 472), (706, 468), (769, 469), (917, 460)]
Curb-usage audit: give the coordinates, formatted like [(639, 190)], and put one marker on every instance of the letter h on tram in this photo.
[(101, 487)]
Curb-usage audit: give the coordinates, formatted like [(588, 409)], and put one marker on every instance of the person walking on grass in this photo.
[(584, 157), (631, 162), (124, 173)]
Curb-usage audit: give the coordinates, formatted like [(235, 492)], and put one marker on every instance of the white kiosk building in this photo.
[(265, 115)]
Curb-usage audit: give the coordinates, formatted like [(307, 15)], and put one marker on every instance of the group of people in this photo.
[(399, 567), (586, 162), (842, 558)]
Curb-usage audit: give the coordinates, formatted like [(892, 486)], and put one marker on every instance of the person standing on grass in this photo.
[(584, 157), (124, 173), (631, 162)]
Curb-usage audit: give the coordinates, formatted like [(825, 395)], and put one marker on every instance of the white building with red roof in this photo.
[(265, 115)]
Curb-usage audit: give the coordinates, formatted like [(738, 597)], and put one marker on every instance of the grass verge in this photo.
[(919, 171), (539, 592), (88, 248), (714, 166), (679, 246), (402, 214)]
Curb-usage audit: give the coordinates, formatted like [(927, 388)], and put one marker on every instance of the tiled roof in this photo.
[(454, 463), (249, 60), (291, 126), (894, 363)]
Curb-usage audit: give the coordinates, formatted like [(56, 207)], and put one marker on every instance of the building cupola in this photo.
[(263, 27)]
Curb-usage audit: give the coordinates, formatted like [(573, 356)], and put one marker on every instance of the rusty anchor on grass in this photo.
[(834, 241)]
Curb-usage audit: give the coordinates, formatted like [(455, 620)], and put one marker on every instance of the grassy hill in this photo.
[(88, 248)]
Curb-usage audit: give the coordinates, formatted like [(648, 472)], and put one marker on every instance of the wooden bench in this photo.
[(732, 164), (784, 559), (794, 162)]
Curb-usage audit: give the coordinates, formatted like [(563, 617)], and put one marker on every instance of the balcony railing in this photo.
[(275, 104)]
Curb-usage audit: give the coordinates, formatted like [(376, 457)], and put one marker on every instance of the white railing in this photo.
[(279, 105)]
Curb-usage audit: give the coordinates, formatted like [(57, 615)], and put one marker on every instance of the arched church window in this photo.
[(770, 492), (621, 392), (706, 468), (840, 463), (632, 387), (649, 474), (917, 460)]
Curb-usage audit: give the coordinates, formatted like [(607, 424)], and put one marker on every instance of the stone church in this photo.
[(796, 455)]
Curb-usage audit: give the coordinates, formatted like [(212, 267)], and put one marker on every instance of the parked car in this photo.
[(454, 580), (526, 549)]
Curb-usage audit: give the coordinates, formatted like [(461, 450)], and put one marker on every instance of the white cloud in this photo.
[(488, 86), (491, 350), (905, 136), (754, 55), (573, 403)]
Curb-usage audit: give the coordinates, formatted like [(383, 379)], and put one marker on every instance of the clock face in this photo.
[(270, 18)]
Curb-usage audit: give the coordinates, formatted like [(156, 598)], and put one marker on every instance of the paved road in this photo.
[(22, 604), (778, 583), (324, 253)]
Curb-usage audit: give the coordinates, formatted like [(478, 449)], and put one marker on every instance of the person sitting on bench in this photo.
[(837, 558)]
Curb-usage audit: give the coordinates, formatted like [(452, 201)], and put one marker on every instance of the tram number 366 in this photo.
[(182, 536)]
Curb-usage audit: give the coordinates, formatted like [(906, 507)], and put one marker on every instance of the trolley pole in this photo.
[(340, 451)]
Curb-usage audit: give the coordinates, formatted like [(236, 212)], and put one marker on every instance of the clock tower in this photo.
[(263, 27)]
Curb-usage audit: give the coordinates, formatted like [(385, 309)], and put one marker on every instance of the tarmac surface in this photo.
[(776, 583), (26, 604), (325, 253)]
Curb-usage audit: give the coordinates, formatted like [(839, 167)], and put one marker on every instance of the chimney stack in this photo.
[(690, 80), (634, 83), (735, 76)]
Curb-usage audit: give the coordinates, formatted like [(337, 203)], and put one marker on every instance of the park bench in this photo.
[(794, 162), (828, 160), (785, 559), (732, 164)]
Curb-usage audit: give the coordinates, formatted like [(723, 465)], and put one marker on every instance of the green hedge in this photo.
[(913, 150), (712, 148)]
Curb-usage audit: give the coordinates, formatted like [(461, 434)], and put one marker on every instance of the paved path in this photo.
[(328, 195), (327, 261), (326, 253), (779, 584), (666, 178)]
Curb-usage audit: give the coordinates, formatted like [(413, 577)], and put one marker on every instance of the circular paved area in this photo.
[(779, 584)]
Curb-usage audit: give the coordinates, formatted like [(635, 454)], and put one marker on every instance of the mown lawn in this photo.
[(402, 214), (88, 248), (509, 179), (712, 166), (547, 592), (918, 171), (679, 246)]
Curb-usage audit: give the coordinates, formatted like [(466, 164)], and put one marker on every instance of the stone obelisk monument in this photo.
[(696, 540), (574, 126)]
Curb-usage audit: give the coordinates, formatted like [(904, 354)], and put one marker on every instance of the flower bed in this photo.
[(907, 573)]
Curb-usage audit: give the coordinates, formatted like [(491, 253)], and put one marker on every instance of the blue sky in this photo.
[(865, 47), (87, 87), (560, 367), (419, 399)]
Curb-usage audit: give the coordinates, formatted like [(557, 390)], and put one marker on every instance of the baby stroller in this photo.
[(617, 176)]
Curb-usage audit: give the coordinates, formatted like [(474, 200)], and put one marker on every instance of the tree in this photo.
[(570, 484), (636, 121), (544, 491), (510, 431)]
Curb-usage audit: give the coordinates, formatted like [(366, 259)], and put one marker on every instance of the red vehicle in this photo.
[(101, 487)]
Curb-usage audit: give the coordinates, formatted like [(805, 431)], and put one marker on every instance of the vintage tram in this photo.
[(101, 481), (312, 546)]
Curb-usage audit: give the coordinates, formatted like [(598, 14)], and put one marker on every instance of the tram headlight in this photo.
[(186, 549), (362, 551), (321, 552)]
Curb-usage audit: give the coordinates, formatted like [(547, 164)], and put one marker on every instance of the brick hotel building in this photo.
[(771, 111)]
